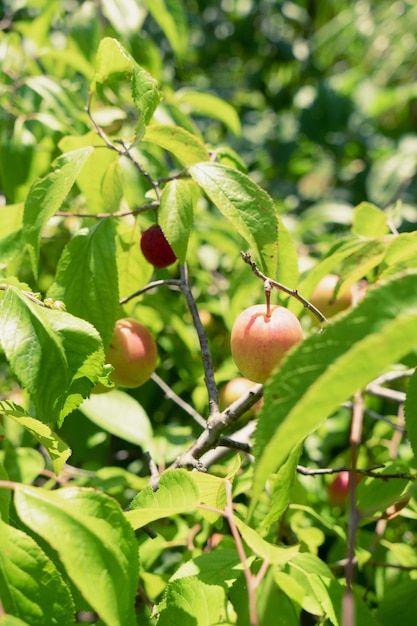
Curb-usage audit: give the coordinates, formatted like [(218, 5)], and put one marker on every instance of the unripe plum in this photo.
[(235, 389), (258, 342), (156, 248), (323, 296), (132, 353)]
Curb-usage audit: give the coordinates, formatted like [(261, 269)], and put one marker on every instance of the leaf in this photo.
[(188, 601), (327, 368), (369, 221), (177, 493), (410, 410), (126, 16), (209, 105), (282, 487), (31, 587), (312, 574), (94, 542), (221, 566), (47, 195), (171, 18), (114, 62), (399, 604), (134, 271), (175, 216), (5, 494), (268, 551), (121, 415), (212, 494), (245, 205), (288, 272), (56, 356), (90, 178), (86, 279), (186, 147), (57, 449), (374, 495)]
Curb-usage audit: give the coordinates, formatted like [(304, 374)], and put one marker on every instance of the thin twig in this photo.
[(171, 395), (291, 292), (115, 214), (173, 282)]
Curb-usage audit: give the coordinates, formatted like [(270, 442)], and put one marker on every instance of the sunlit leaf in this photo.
[(176, 216), (248, 207), (176, 493), (31, 587), (94, 542)]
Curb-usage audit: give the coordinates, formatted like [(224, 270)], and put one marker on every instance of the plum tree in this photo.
[(132, 353), (323, 296), (259, 342), (156, 248)]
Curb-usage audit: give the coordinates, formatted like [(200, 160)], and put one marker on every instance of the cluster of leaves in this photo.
[(99, 140)]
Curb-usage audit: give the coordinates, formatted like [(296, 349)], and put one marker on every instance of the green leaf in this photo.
[(221, 566), (170, 16), (5, 494), (126, 16), (246, 205), (312, 574), (282, 486), (209, 105), (376, 495), (10, 620), (189, 601), (57, 449), (269, 551), (288, 271), (212, 493), (328, 368), (410, 410), (56, 356), (186, 147), (399, 604), (114, 62), (369, 221), (31, 588), (90, 178), (177, 493), (94, 542), (121, 415), (134, 271), (47, 195), (86, 278), (175, 216)]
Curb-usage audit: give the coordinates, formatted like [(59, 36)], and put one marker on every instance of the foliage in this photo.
[(283, 130)]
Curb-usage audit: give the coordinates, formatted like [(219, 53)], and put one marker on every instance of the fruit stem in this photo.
[(267, 290)]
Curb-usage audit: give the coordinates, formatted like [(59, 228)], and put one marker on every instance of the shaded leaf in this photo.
[(186, 147), (86, 279), (189, 601)]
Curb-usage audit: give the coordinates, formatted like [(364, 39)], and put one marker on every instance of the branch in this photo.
[(213, 397), (171, 395), (102, 216), (210, 438), (291, 292)]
